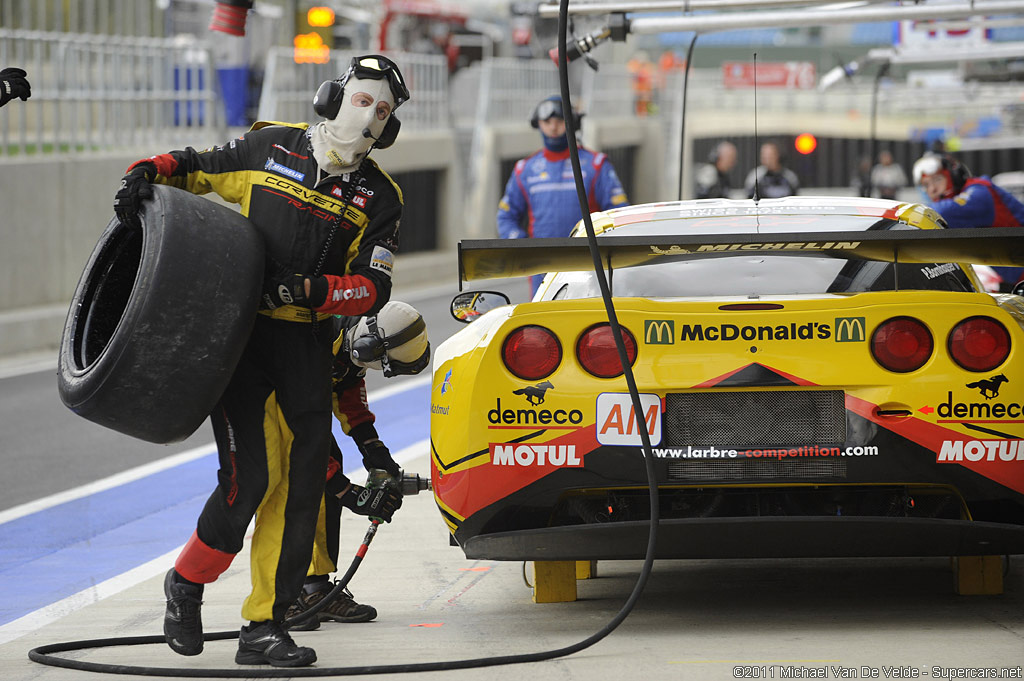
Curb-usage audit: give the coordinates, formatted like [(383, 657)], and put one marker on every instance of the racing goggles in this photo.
[(549, 108), (377, 67)]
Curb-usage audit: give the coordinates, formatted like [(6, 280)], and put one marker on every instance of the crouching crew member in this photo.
[(397, 344)]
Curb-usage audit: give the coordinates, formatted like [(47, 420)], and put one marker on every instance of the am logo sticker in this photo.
[(617, 423)]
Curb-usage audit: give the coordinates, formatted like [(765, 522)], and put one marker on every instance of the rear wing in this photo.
[(496, 258)]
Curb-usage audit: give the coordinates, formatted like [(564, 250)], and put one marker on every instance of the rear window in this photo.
[(763, 275)]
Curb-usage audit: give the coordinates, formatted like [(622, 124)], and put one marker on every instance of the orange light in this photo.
[(310, 49), (320, 16), (806, 143)]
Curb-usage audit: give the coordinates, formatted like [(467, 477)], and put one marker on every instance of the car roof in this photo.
[(732, 216)]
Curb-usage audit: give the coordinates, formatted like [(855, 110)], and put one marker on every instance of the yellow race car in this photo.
[(818, 377)]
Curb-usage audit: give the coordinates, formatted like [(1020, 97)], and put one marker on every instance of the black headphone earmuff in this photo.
[(390, 132), (327, 103), (958, 172), (327, 100)]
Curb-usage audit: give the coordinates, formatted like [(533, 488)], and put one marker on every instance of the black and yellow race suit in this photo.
[(278, 465), (352, 410)]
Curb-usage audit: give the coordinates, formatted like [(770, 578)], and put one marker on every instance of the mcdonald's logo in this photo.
[(659, 332), (850, 330)]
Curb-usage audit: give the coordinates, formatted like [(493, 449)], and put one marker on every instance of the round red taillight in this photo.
[(979, 344), (902, 344), (597, 353), (531, 352)]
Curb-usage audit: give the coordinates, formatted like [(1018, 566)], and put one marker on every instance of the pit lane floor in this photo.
[(697, 620), (88, 562)]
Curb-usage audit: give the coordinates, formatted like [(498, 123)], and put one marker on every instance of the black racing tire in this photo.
[(161, 316)]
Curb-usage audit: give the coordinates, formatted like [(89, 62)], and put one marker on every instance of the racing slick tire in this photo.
[(161, 316)]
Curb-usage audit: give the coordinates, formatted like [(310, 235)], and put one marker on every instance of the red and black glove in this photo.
[(290, 289), (135, 186)]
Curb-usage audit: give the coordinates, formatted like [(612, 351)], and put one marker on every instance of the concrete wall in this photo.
[(53, 209)]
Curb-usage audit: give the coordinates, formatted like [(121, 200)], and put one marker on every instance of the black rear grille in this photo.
[(758, 419), (727, 470)]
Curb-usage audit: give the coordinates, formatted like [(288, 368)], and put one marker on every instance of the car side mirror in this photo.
[(466, 307), (1018, 289)]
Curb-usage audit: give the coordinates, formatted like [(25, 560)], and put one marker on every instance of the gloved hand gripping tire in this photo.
[(135, 186), (379, 502)]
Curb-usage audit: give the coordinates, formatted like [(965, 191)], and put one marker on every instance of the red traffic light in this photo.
[(806, 143)]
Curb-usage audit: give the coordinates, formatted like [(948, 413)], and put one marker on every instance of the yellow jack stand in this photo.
[(554, 581), (586, 569), (978, 575)]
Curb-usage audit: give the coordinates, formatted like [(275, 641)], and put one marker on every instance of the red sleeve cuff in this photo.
[(352, 294)]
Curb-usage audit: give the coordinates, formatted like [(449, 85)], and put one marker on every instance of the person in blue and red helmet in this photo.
[(330, 218), (540, 196), (966, 201)]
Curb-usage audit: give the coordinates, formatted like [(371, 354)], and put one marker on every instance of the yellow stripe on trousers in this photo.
[(268, 535)]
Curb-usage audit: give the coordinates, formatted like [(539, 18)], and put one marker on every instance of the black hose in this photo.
[(43, 654)]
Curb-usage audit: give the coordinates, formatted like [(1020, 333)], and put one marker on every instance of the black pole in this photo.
[(682, 122), (873, 142)]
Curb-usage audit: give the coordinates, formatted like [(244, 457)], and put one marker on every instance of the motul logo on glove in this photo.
[(350, 294), (534, 455)]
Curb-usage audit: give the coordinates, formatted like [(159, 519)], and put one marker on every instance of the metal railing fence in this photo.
[(94, 93), (288, 87), (113, 17)]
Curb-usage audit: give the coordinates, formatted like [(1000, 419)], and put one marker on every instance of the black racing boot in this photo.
[(183, 625), (268, 643)]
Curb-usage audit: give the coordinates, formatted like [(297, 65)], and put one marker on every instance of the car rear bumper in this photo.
[(754, 538)]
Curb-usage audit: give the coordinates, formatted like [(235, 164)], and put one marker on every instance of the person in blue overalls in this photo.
[(966, 201), (540, 196)]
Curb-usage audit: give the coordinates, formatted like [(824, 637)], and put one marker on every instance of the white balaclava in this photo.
[(339, 145)]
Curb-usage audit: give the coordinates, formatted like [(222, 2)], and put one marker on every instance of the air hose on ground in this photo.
[(45, 654)]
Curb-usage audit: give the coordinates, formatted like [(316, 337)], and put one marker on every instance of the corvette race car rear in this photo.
[(860, 420)]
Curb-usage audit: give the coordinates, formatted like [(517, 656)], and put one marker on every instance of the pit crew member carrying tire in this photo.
[(330, 219)]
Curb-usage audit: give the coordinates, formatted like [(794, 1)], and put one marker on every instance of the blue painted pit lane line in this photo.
[(57, 552)]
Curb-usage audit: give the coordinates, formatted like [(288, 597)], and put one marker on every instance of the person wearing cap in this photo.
[(966, 201), (395, 342), (540, 195), (329, 216)]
